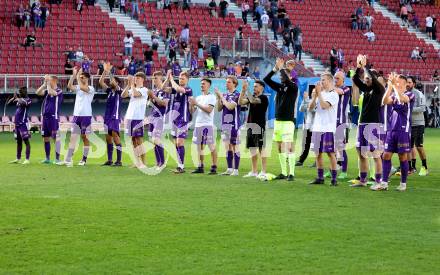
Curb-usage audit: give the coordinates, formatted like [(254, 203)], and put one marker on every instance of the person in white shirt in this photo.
[(265, 22), (429, 21), (135, 114), (128, 45), (415, 54), (203, 108), (82, 115), (79, 55), (371, 37), (325, 102)]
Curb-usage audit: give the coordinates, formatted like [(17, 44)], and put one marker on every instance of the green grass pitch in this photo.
[(94, 220)]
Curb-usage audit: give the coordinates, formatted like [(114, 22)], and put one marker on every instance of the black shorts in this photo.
[(255, 140), (428, 29), (417, 134)]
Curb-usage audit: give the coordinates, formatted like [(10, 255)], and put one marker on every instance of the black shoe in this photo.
[(179, 170), (199, 170), (298, 163), (290, 178), (118, 163), (334, 183), (280, 177), (317, 181), (108, 163), (213, 171)]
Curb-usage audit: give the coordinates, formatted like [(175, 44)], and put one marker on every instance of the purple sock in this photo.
[(118, 152), (404, 167), (334, 174), (378, 177), (236, 160), (85, 152), (57, 149), (28, 149), (320, 174), (47, 149), (229, 157), (386, 168), (363, 176), (110, 152), (19, 148), (69, 154), (181, 154), (344, 165), (162, 155), (157, 155)]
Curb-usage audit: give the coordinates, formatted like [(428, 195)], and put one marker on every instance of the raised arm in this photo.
[(157, 100), (312, 103), (43, 87), (125, 92), (70, 85)]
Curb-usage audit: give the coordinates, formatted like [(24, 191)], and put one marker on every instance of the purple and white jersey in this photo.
[(401, 117), (158, 110), (231, 117), (112, 110), (180, 106), (22, 112), (344, 102), (386, 112), (51, 104)]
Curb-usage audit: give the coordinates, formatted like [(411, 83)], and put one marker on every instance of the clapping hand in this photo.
[(107, 67)]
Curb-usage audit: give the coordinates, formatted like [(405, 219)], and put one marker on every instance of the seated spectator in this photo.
[(209, 63), (238, 69), (256, 74), (230, 69), (79, 55), (30, 40), (371, 37), (245, 72), (195, 73), (415, 54), (132, 66), (423, 55)]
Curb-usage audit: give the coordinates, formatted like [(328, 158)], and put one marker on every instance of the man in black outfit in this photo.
[(370, 131), (256, 126), (30, 41), (284, 126)]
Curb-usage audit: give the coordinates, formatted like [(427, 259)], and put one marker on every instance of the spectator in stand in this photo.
[(436, 76), (194, 64), (68, 68), (223, 8), (281, 15), (415, 54), (230, 70), (172, 47), (215, 52), (404, 15), (423, 55), (148, 54), (333, 60), (275, 26), (298, 46), (79, 55), (209, 63), (100, 70), (44, 15), (371, 37), (30, 40), (354, 25), (19, 16), (185, 5), (212, 7), (265, 22), (415, 20), (238, 68), (186, 56), (428, 24), (239, 39), (246, 70), (200, 47), (36, 11), (122, 6), (176, 68), (132, 67), (286, 41), (340, 57), (128, 44), (155, 40), (71, 54), (86, 64), (27, 18), (134, 8), (79, 5), (369, 21), (244, 11), (111, 4), (184, 34), (434, 28), (256, 73)]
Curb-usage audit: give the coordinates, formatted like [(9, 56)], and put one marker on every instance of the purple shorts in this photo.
[(22, 131), (135, 128), (82, 125), (323, 142), (155, 128), (49, 127), (203, 135), (179, 131), (112, 125), (230, 134), (398, 142), (370, 137)]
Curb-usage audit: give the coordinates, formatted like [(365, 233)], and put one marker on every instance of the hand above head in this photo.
[(245, 85), (107, 67)]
